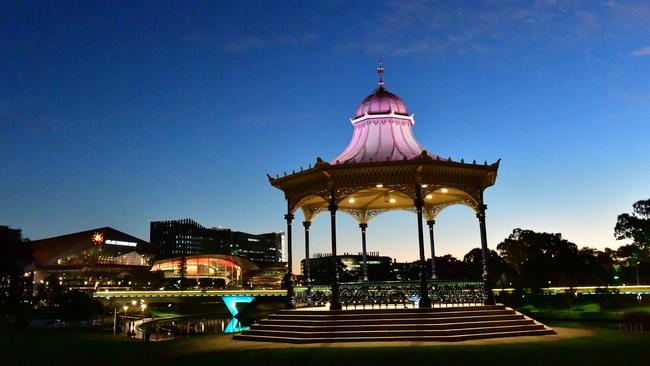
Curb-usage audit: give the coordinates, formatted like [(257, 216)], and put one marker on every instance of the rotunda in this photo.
[(384, 168)]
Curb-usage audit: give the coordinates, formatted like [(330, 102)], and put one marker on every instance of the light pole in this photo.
[(143, 306), (114, 320), (125, 308)]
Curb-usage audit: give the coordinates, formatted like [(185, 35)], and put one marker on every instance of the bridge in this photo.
[(447, 292), (229, 297)]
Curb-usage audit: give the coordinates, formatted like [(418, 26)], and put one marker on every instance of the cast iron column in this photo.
[(310, 301), (488, 296), (291, 300), (430, 223), (335, 302), (425, 301), (363, 227)]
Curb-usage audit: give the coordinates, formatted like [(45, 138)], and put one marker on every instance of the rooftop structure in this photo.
[(382, 130)]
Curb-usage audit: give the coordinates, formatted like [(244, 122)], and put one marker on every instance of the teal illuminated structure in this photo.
[(232, 301)]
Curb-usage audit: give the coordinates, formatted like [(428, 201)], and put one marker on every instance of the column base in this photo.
[(336, 306), (489, 300), (290, 305), (310, 298)]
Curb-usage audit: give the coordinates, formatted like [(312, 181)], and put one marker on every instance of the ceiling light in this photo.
[(429, 196), (379, 186), (351, 200), (392, 200), (444, 190), (425, 185)]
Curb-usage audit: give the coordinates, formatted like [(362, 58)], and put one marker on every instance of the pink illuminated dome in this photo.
[(382, 129), (381, 101)]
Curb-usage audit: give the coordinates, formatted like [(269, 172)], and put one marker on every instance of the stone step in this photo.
[(393, 333), (393, 338), (450, 324), (328, 327), (380, 314), (388, 320)]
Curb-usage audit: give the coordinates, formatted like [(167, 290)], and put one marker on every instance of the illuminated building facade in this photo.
[(219, 270), (228, 268), (177, 238), (102, 257), (379, 268)]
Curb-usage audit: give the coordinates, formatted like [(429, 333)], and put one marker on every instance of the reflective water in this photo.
[(167, 329)]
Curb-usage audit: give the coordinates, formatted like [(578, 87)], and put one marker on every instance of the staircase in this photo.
[(438, 324)]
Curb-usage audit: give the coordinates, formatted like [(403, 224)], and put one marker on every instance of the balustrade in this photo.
[(404, 293)]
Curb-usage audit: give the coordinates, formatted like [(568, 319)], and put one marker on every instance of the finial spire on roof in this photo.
[(380, 71)]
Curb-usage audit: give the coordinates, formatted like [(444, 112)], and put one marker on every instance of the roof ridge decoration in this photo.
[(380, 72)]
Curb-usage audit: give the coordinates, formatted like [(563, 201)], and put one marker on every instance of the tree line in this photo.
[(529, 259)]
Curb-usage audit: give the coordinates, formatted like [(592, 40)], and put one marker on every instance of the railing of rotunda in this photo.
[(394, 293)]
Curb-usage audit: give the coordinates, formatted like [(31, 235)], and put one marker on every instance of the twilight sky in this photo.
[(117, 113)]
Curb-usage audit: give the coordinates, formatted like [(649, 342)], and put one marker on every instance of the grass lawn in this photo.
[(604, 346), (581, 312)]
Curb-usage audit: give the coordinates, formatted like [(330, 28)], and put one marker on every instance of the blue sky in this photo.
[(119, 113)]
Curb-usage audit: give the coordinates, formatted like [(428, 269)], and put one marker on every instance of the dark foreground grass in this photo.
[(585, 312), (604, 347)]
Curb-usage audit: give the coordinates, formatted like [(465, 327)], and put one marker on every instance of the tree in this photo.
[(595, 266), (633, 255), (636, 227), (540, 259), (499, 271), (448, 267)]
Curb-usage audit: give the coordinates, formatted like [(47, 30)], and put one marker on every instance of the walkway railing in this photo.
[(398, 293)]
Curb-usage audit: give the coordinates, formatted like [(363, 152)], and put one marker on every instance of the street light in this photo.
[(125, 307)]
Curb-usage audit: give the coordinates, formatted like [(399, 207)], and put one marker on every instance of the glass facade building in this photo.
[(177, 238)]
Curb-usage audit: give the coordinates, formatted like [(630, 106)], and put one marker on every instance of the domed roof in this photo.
[(382, 130), (381, 101)]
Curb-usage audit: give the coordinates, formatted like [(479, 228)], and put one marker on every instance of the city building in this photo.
[(221, 271), (269, 276), (406, 271), (15, 284), (350, 267), (177, 238), (102, 257), (228, 269)]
